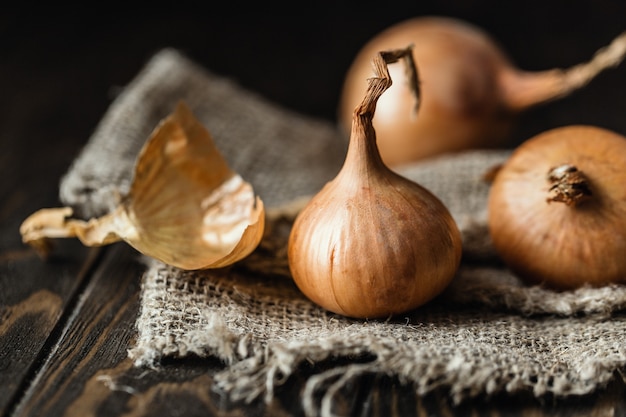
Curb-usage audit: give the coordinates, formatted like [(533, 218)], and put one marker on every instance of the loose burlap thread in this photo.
[(487, 333)]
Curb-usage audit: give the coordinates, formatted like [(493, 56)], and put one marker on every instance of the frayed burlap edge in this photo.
[(488, 333)]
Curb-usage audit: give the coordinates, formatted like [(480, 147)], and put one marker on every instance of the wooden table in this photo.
[(66, 324)]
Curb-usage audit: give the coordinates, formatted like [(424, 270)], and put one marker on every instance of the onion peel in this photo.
[(186, 207)]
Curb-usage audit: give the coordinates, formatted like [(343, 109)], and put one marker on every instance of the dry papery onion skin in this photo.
[(186, 207), (372, 244), (557, 208), (472, 93)]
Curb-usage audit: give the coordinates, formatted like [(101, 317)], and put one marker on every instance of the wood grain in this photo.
[(94, 337), (35, 296)]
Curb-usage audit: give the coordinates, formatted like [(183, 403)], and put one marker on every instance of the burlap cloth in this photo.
[(487, 333)]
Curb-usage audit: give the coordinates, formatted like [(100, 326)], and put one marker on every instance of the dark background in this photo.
[(60, 69)]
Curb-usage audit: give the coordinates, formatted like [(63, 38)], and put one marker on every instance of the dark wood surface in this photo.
[(66, 324)]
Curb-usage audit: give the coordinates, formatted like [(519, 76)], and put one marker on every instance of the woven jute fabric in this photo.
[(487, 333)]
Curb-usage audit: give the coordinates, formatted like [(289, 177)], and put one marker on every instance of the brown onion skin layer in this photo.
[(371, 243), (394, 257), (551, 243)]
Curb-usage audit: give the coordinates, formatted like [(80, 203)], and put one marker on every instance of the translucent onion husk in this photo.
[(186, 207), (557, 208)]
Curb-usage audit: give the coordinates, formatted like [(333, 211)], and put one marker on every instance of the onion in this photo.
[(371, 243), (471, 92), (557, 208)]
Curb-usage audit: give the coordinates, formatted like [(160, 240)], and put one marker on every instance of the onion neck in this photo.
[(363, 157), (568, 185), (523, 89)]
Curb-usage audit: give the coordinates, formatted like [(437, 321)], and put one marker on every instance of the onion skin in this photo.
[(362, 249), (559, 245), (472, 94), (371, 243)]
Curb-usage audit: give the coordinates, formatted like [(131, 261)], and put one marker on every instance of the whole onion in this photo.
[(557, 208)]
